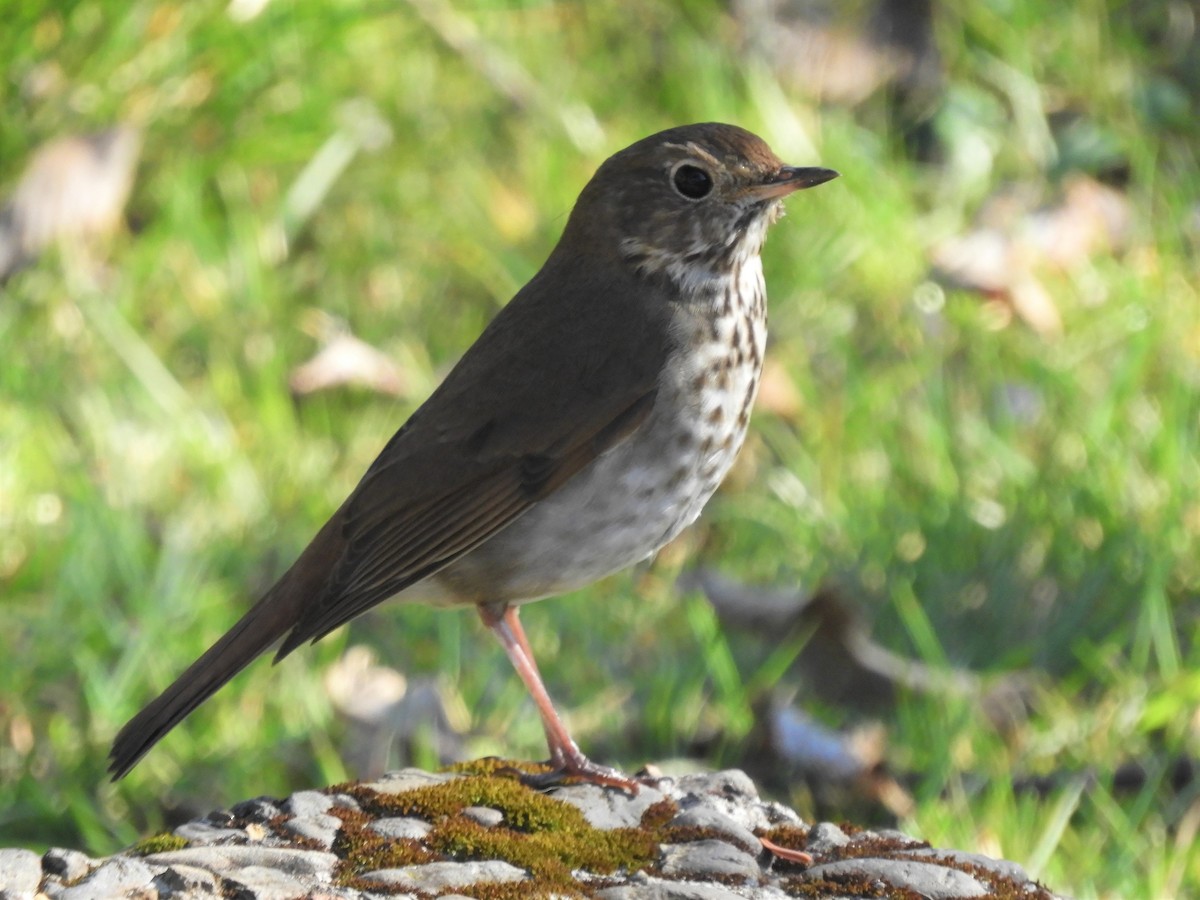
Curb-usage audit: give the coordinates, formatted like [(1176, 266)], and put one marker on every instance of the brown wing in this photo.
[(411, 544), (547, 388)]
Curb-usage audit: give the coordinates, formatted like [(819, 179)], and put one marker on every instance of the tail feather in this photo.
[(272, 617), (228, 656)]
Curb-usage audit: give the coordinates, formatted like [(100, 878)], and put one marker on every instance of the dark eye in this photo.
[(693, 182)]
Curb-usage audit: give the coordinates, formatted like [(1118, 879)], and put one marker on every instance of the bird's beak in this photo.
[(789, 179)]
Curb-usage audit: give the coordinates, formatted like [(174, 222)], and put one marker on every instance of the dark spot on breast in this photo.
[(755, 353)]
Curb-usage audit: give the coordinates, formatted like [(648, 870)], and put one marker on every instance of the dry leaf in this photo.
[(843, 56), (347, 360), (1014, 245), (840, 661), (388, 713), (853, 759), (74, 189)]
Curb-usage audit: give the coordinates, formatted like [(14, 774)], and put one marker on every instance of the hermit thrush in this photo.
[(585, 428)]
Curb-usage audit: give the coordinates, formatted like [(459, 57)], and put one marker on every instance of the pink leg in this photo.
[(553, 737), (564, 753)]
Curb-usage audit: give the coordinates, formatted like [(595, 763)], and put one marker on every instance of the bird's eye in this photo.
[(692, 182)]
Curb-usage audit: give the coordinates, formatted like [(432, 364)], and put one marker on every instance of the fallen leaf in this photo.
[(840, 660), (1016, 244), (345, 360), (388, 714), (73, 190)]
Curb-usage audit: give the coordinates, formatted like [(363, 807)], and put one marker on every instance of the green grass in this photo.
[(155, 473)]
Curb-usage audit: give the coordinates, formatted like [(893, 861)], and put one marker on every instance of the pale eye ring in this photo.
[(691, 182)]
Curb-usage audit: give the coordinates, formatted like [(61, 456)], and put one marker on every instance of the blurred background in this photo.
[(952, 584)]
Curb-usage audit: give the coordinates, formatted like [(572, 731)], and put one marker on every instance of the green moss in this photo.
[(549, 838), (523, 807), (362, 849), (159, 843)]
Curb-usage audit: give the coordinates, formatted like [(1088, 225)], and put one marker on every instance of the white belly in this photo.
[(639, 495)]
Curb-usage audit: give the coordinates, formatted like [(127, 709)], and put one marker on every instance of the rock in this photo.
[(260, 809), (438, 875), (320, 828), (20, 874), (824, 837), (407, 779), (227, 858), (69, 865), (413, 829), (778, 814), (307, 803), (927, 880), (700, 860), (1001, 867), (266, 883), (730, 792), (702, 844), (731, 784), (712, 820), (117, 876), (605, 808), (345, 801), (484, 815), (659, 889), (181, 881), (207, 833), (891, 834)]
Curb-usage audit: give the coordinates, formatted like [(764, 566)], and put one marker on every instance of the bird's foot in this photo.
[(574, 766)]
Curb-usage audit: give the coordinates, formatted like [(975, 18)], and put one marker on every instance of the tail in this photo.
[(272, 617)]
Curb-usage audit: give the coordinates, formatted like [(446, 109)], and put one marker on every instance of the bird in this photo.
[(588, 425)]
